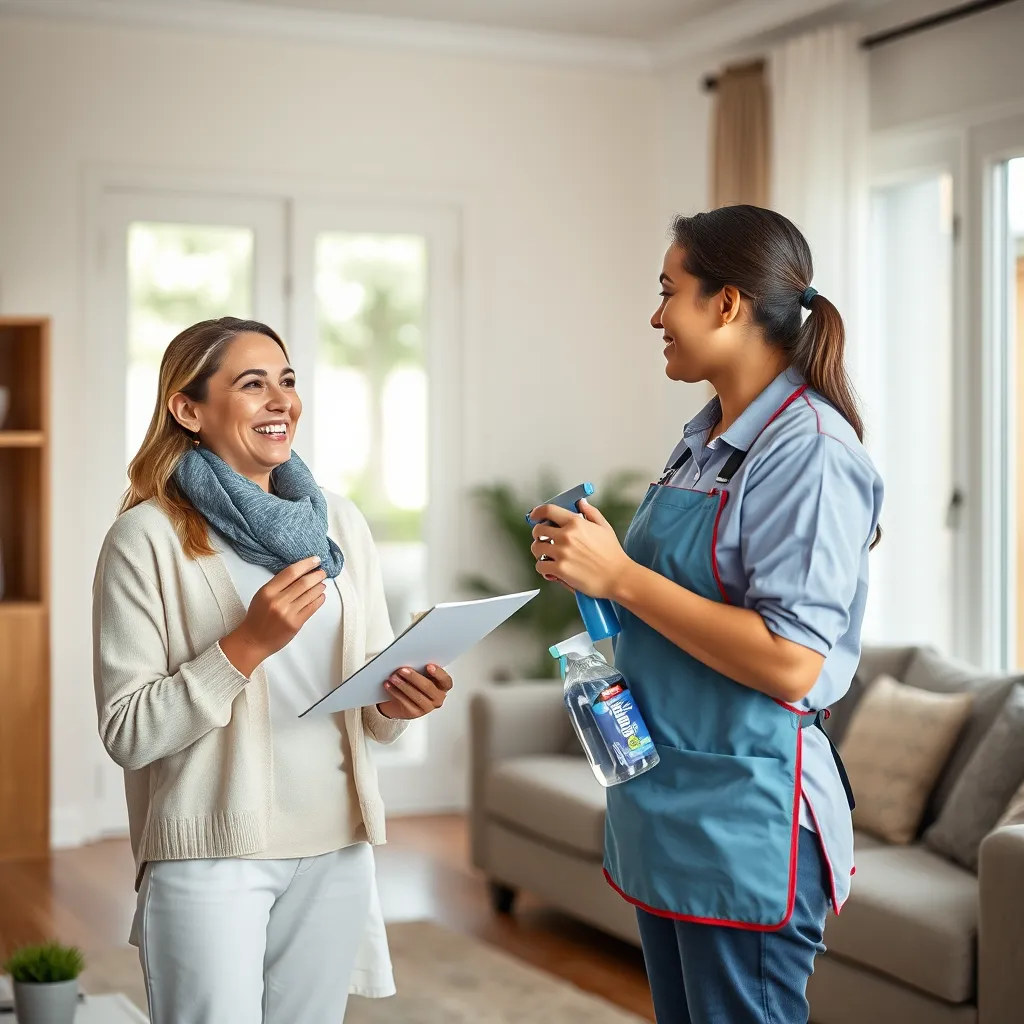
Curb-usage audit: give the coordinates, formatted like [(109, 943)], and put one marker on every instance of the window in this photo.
[(371, 418), (178, 274)]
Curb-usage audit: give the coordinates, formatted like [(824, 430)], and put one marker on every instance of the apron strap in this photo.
[(729, 470), (806, 722)]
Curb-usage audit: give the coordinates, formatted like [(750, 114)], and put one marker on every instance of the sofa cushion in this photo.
[(894, 749), (554, 797), (929, 670), (913, 916), (984, 788)]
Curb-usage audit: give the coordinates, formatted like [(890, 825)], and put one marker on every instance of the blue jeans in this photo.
[(707, 974)]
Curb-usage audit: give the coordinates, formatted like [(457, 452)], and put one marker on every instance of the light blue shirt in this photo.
[(793, 543)]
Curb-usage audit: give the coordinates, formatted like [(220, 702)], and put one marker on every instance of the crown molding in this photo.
[(738, 23), (347, 29), (714, 32)]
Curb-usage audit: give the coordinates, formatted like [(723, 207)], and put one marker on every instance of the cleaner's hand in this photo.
[(581, 551), (413, 694)]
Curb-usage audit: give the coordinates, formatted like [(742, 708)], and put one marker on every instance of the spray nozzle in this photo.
[(579, 646)]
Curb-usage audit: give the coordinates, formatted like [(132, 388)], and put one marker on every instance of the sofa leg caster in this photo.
[(502, 897)]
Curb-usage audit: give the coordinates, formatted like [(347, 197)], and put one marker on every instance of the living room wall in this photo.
[(561, 250)]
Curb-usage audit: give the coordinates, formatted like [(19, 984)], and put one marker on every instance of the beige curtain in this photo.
[(742, 129)]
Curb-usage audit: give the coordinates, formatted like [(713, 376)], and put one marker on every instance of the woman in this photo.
[(741, 591), (230, 595)]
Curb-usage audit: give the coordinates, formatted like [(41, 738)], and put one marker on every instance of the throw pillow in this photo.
[(894, 749), (1014, 813), (929, 670), (980, 795)]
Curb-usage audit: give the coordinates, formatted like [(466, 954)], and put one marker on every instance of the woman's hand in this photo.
[(276, 613), (413, 694), (581, 551)]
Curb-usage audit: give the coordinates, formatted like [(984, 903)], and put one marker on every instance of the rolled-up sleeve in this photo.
[(809, 510)]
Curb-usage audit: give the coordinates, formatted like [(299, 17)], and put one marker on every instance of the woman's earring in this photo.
[(195, 440)]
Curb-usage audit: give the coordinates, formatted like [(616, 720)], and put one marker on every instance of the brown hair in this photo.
[(766, 257), (191, 359)]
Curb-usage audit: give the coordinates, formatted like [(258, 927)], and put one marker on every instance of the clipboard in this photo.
[(440, 636)]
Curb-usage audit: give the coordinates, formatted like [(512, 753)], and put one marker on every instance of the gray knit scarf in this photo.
[(273, 530)]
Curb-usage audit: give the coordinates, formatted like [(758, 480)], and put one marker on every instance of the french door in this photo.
[(366, 300)]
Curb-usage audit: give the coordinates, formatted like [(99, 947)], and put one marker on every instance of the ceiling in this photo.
[(634, 34), (617, 19)]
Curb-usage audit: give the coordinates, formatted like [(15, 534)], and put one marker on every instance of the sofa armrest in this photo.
[(509, 720), (1001, 926)]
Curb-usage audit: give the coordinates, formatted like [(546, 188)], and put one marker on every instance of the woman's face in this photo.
[(697, 331), (251, 408)]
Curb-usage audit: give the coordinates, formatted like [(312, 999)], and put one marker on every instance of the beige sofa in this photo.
[(921, 940)]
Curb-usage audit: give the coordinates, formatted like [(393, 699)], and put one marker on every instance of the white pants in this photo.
[(253, 941)]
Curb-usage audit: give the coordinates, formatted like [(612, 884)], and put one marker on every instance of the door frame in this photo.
[(461, 209)]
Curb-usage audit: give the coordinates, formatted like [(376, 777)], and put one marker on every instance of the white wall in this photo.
[(562, 246), (954, 69)]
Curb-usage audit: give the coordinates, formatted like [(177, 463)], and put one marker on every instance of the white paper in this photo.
[(445, 633)]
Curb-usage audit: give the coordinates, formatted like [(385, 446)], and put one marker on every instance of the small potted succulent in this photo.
[(45, 983)]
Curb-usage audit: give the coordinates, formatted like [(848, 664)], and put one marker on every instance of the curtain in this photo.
[(819, 89), (742, 137)]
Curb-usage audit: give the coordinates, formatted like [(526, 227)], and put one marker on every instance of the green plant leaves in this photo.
[(45, 964)]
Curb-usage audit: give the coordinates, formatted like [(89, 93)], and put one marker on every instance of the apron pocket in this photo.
[(708, 836)]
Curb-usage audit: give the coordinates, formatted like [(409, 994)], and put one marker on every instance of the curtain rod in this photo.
[(710, 82)]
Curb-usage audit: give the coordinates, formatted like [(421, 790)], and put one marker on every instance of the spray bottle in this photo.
[(604, 715), (598, 614)]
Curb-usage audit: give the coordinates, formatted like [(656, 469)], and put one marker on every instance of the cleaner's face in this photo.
[(697, 330)]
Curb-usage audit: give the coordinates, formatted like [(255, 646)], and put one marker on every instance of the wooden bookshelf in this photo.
[(25, 599)]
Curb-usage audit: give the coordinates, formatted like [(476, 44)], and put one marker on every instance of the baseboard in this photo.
[(77, 825), (68, 827)]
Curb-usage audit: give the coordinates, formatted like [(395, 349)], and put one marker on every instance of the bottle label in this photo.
[(621, 724)]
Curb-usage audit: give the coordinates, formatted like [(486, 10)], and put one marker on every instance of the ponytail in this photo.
[(819, 357)]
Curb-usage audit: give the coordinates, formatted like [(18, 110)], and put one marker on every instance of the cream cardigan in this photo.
[(191, 732)]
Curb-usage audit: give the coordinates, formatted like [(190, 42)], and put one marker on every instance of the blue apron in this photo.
[(711, 833)]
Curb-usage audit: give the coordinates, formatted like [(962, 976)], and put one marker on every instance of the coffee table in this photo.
[(113, 1009)]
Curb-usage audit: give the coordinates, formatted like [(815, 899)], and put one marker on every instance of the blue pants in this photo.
[(707, 974)]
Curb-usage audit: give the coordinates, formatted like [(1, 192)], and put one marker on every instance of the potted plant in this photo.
[(552, 615), (45, 983)]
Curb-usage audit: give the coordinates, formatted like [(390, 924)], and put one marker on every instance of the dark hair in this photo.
[(189, 362), (766, 257)]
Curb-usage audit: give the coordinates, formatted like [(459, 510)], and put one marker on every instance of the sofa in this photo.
[(920, 941)]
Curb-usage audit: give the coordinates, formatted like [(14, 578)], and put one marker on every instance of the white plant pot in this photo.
[(53, 1003)]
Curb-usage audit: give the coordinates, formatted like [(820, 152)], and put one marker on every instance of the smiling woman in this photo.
[(231, 594)]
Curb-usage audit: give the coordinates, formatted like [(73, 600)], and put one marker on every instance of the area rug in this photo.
[(443, 977)]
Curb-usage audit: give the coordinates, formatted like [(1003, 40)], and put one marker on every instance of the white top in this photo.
[(314, 808)]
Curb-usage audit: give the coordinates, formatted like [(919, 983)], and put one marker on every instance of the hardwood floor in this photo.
[(86, 897)]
